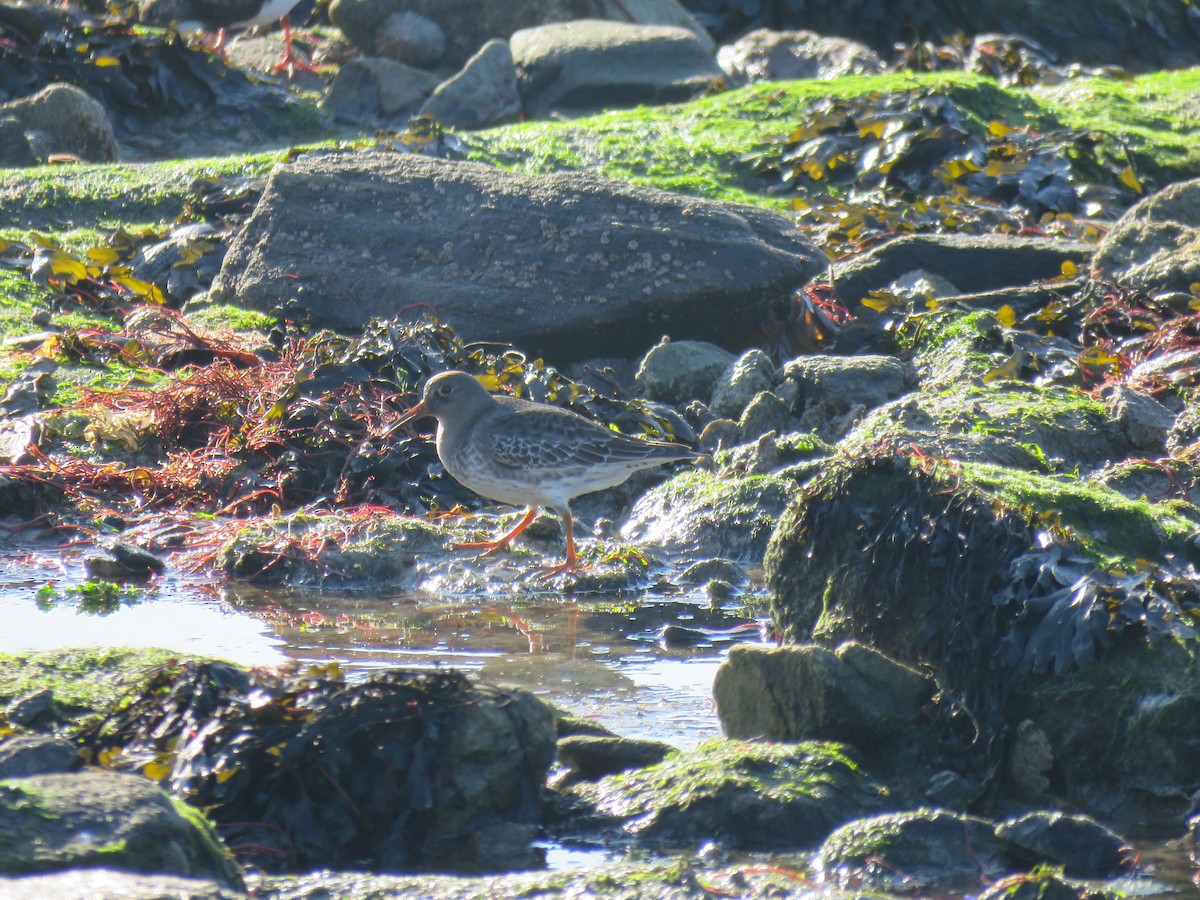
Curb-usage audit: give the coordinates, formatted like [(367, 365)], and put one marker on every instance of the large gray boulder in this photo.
[(566, 265), (591, 64)]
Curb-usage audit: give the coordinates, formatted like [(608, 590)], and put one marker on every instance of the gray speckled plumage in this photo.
[(530, 454)]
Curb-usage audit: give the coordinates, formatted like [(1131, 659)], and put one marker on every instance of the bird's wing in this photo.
[(540, 439)]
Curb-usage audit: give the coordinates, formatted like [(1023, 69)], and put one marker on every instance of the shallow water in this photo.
[(599, 659)]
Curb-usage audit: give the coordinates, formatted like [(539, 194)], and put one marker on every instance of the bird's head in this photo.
[(450, 397)]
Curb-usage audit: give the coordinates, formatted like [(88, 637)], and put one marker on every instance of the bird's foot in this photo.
[(549, 573), (491, 547), (292, 64)]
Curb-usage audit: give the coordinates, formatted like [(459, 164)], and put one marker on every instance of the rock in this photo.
[(1155, 245), (467, 25), (591, 758), (590, 64), (699, 514), (94, 817), (1038, 885), (112, 884), (17, 435), (918, 286), (856, 695), (1185, 433), (1146, 421), (755, 457), (370, 87), (22, 755), (1150, 35), (720, 434), (62, 118), (929, 846), (483, 93), (765, 413), (123, 561), (743, 794), (838, 383), (566, 266), (715, 569), (750, 374), (1079, 844), (412, 39), (679, 371), (386, 553), (766, 55), (974, 263), (15, 151), (28, 708)]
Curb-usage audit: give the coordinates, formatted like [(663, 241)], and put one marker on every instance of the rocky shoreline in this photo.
[(938, 334)]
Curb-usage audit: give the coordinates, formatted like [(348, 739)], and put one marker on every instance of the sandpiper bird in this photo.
[(219, 15), (530, 454)]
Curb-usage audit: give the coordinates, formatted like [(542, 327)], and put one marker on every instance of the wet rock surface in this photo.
[(87, 819)]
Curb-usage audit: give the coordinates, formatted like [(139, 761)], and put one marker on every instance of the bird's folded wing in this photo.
[(535, 439)]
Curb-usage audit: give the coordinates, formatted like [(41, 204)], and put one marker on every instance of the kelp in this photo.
[(137, 74), (861, 169), (902, 552), (299, 769)]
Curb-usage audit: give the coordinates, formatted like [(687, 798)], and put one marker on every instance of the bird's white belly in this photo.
[(272, 11)]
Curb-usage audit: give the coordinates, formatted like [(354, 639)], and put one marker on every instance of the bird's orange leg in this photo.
[(290, 62), (501, 543), (572, 563)]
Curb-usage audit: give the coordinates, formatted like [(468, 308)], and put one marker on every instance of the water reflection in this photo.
[(598, 658)]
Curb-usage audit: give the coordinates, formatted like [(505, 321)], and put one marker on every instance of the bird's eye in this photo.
[(445, 390)]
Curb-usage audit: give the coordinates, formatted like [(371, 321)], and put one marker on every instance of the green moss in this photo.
[(226, 317), (84, 680), (778, 771), (1109, 524), (697, 148), (58, 199)]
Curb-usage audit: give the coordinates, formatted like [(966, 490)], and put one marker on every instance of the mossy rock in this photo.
[(747, 795), (105, 819), (932, 847), (86, 681), (330, 550)]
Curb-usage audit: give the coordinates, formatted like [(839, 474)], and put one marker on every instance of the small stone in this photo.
[(766, 412), (27, 709), (412, 39), (483, 93), (751, 373), (719, 434), (682, 371), (22, 755)]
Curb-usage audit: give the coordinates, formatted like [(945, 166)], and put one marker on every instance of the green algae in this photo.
[(57, 199), (86, 681), (699, 148), (1111, 526)]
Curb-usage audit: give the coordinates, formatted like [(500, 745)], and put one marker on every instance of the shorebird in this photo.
[(530, 454), (220, 15)]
